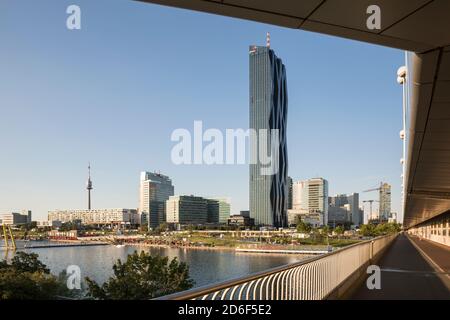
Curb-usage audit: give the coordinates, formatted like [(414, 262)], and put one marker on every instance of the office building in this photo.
[(310, 201), (218, 210), (15, 218), (155, 189), (212, 211), (224, 210), (344, 209), (119, 216), (187, 210), (268, 111)]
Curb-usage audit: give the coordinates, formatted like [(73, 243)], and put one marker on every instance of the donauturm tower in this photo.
[(89, 186)]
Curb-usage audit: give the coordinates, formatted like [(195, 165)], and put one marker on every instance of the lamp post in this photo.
[(401, 79)]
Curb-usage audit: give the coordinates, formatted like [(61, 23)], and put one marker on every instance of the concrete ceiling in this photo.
[(421, 26)]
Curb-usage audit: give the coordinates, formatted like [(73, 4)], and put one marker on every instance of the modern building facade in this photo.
[(224, 210), (218, 210), (119, 216), (15, 218), (212, 211), (310, 198), (385, 202), (268, 111), (155, 189), (344, 209), (187, 210), (290, 192)]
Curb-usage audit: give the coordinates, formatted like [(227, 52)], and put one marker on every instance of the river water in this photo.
[(206, 266)]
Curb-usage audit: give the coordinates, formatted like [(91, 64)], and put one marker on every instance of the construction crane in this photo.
[(6, 230), (370, 203), (375, 189)]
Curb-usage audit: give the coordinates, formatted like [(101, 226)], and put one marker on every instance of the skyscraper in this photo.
[(290, 192), (268, 111), (385, 202), (155, 189)]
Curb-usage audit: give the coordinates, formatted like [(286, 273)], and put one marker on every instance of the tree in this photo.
[(28, 262), (303, 227), (163, 227), (28, 226), (68, 226), (367, 230), (28, 278), (339, 230), (142, 276)]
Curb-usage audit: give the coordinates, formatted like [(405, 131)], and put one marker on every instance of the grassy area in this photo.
[(228, 241)]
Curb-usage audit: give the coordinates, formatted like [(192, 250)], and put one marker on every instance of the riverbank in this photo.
[(279, 250), (154, 245)]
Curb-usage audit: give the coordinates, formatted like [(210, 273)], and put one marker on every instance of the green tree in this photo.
[(303, 227), (28, 262), (68, 226), (339, 230), (142, 276), (367, 230), (28, 278)]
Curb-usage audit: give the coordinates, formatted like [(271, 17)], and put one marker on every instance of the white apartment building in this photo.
[(96, 216)]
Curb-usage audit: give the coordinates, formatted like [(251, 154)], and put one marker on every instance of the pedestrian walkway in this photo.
[(408, 273)]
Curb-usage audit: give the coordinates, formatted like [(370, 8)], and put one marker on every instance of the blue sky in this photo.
[(113, 92)]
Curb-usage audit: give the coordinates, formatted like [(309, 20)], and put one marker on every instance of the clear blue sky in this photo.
[(113, 92)]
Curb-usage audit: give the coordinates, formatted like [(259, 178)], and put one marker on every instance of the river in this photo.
[(206, 266)]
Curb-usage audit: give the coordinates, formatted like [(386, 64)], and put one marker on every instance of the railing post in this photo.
[(371, 251)]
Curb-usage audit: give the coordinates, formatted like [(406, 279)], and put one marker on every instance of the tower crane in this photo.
[(375, 189)]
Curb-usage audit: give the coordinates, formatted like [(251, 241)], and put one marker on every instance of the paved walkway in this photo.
[(438, 253), (407, 274)]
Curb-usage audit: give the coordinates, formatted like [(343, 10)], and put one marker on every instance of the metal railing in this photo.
[(311, 279)]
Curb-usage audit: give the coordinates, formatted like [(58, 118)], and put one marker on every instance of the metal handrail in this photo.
[(215, 288)]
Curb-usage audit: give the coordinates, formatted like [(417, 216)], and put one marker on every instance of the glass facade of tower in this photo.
[(268, 110), (155, 189)]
